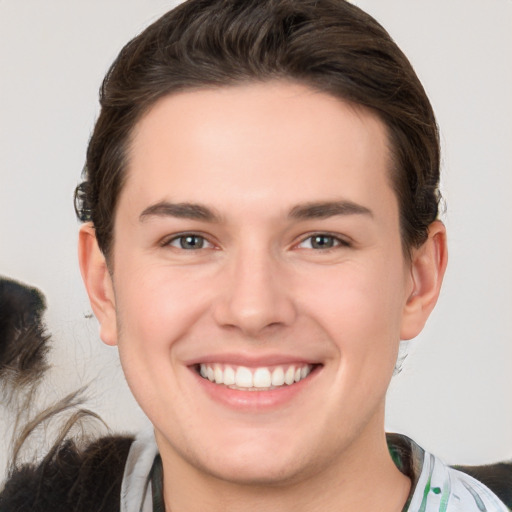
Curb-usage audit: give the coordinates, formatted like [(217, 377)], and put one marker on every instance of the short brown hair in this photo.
[(329, 45)]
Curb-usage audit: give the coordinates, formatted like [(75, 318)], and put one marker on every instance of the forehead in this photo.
[(275, 143)]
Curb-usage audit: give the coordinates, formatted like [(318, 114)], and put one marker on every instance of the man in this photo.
[(261, 231)]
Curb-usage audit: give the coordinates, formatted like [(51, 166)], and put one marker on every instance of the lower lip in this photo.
[(255, 400)]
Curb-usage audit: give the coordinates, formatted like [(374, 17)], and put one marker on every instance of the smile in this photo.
[(254, 379)]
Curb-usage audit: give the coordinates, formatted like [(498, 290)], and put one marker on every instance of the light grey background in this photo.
[(455, 393)]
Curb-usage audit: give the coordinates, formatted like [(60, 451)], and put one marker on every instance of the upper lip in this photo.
[(252, 361)]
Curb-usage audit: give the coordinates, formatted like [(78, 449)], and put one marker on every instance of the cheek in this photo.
[(157, 308), (158, 304), (360, 306)]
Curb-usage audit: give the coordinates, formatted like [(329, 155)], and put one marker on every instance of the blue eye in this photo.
[(189, 242)]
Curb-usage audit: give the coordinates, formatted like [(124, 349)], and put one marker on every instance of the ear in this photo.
[(428, 265), (98, 282)]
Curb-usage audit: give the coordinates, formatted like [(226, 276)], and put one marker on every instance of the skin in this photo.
[(258, 290)]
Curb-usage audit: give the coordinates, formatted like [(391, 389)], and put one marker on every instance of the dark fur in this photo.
[(70, 479), (23, 338)]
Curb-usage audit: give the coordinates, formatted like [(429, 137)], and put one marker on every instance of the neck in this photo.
[(363, 479)]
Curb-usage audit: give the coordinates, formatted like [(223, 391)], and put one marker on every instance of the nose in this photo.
[(254, 297)]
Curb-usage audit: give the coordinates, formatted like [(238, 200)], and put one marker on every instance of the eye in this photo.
[(189, 242), (322, 241)]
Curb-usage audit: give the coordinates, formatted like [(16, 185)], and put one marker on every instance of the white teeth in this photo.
[(278, 376), (289, 375), (256, 378), (218, 373), (262, 378), (243, 377), (229, 376)]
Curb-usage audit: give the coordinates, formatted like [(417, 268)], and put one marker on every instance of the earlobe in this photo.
[(98, 283), (428, 266)]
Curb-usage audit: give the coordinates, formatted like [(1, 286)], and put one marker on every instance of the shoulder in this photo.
[(70, 479), (497, 477), (136, 489), (436, 486)]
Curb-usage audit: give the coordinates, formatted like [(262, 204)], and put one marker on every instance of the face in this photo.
[(259, 287)]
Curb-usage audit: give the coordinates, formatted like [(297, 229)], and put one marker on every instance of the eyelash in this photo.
[(334, 240), (182, 237)]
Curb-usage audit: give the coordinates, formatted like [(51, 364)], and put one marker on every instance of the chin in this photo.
[(274, 473), (253, 459)]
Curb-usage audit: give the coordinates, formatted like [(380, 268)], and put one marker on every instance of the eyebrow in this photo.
[(314, 210), (326, 209), (179, 210)]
